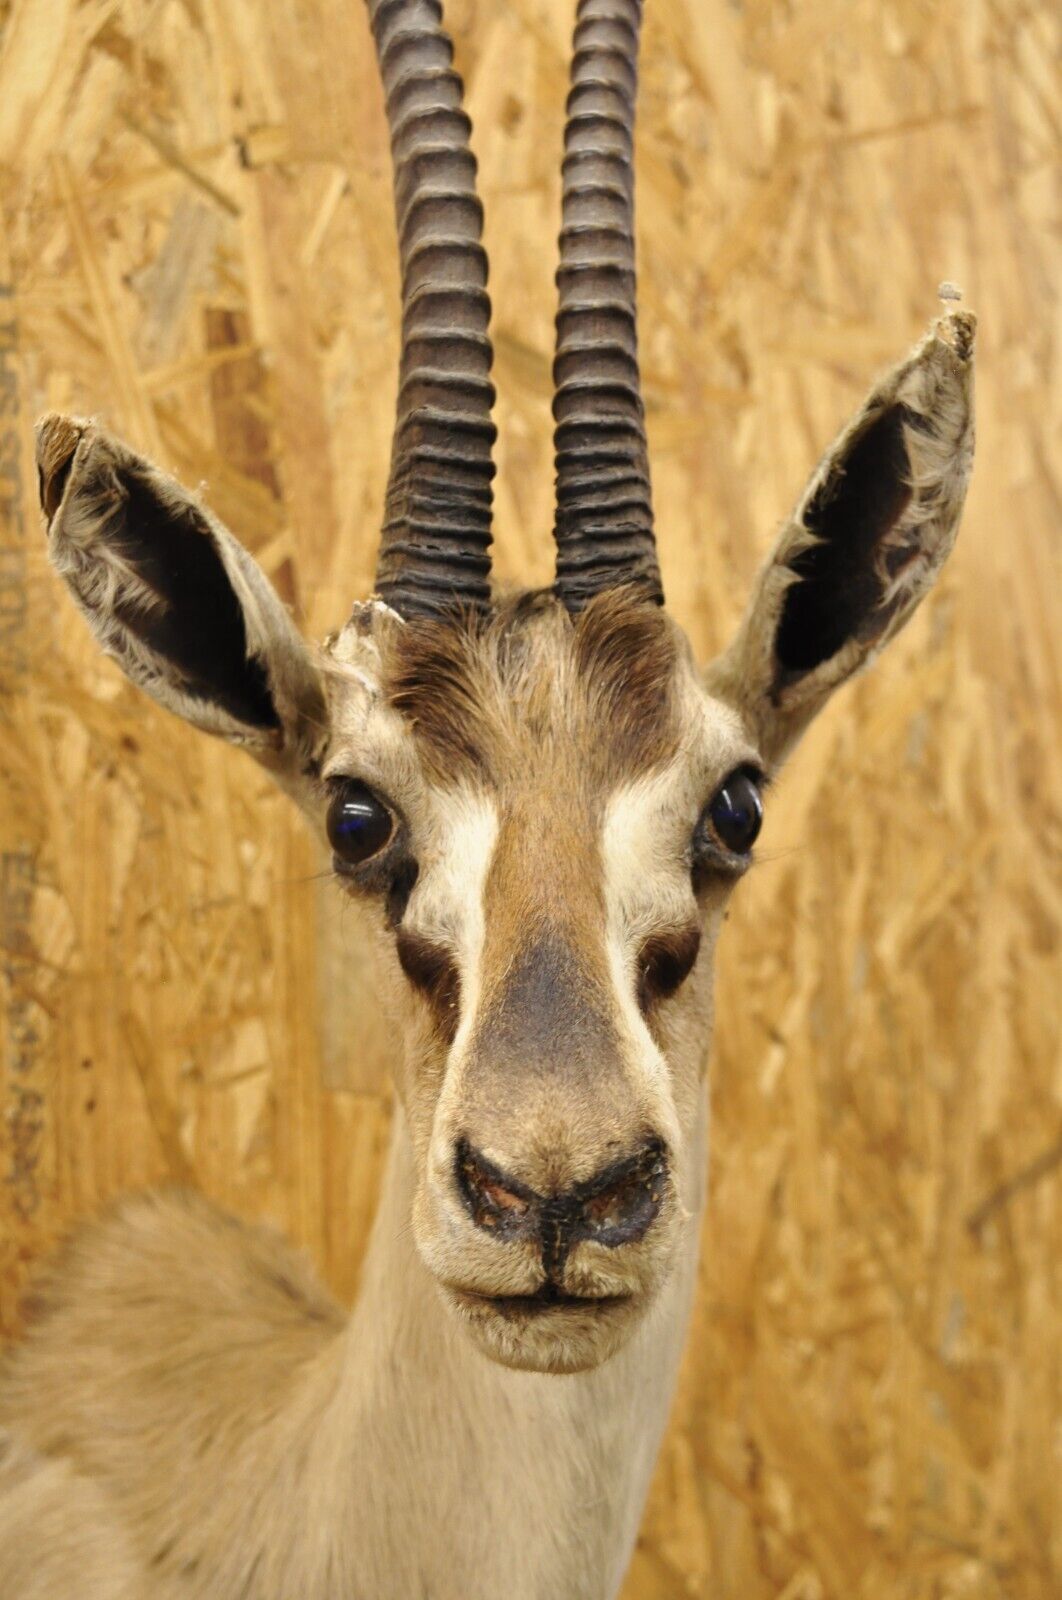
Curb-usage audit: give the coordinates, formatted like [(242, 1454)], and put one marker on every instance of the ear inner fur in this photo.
[(840, 588), (175, 599), (868, 537), (173, 555)]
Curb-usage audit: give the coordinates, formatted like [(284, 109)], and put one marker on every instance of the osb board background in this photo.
[(198, 247)]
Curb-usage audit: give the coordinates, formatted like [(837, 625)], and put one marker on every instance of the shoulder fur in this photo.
[(58, 1533), (222, 1325)]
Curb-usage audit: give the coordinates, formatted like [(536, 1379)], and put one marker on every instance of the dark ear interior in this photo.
[(199, 624), (839, 592)]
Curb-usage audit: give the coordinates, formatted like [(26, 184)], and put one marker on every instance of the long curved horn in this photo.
[(604, 517), (434, 554)]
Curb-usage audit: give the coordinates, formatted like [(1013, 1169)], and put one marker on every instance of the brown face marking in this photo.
[(665, 962), (431, 679), (546, 1013), (432, 970), (626, 652), (544, 1073), (546, 713), (481, 693)]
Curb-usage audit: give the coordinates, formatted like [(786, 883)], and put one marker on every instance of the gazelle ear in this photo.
[(864, 544), (174, 598)]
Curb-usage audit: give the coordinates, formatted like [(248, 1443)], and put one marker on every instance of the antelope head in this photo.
[(546, 796)]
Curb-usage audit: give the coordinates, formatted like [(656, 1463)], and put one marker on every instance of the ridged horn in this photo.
[(434, 546), (604, 517)]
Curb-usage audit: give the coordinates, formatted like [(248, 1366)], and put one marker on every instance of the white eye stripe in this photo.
[(641, 892), (447, 904)]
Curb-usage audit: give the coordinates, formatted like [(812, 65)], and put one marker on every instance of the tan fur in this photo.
[(252, 1447), (477, 697), (190, 1417), (59, 1532)]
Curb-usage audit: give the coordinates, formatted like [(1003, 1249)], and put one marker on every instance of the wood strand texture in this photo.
[(198, 247), (434, 550), (604, 516)]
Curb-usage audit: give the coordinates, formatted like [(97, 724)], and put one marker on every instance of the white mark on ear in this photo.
[(355, 650), (358, 675), (379, 608)]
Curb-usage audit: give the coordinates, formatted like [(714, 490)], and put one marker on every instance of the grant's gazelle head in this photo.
[(546, 796)]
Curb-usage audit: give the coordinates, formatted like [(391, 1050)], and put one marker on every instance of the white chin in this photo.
[(543, 1337)]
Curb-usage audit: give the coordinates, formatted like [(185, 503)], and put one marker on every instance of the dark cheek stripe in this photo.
[(666, 960), (401, 887), (432, 970)]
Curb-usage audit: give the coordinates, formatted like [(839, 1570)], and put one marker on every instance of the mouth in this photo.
[(545, 1302), (549, 1330)]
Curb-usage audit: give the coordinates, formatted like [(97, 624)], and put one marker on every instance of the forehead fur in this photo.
[(477, 691)]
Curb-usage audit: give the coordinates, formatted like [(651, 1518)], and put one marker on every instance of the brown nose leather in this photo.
[(616, 1206)]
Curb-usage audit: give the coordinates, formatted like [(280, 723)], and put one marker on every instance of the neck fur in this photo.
[(513, 1481)]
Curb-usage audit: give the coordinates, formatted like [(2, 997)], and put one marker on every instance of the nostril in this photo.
[(494, 1200), (619, 1205)]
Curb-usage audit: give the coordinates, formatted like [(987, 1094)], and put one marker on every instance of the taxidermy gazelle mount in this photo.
[(550, 802)]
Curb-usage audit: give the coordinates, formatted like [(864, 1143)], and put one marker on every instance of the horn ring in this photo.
[(434, 545), (603, 523)]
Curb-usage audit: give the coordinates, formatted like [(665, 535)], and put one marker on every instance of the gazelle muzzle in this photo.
[(616, 1206)]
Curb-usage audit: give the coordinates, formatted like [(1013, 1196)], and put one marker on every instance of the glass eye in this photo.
[(358, 824), (735, 813)]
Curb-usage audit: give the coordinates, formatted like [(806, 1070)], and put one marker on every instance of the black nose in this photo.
[(616, 1206)]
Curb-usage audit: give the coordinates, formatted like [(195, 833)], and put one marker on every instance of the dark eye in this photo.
[(734, 813), (358, 824)]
